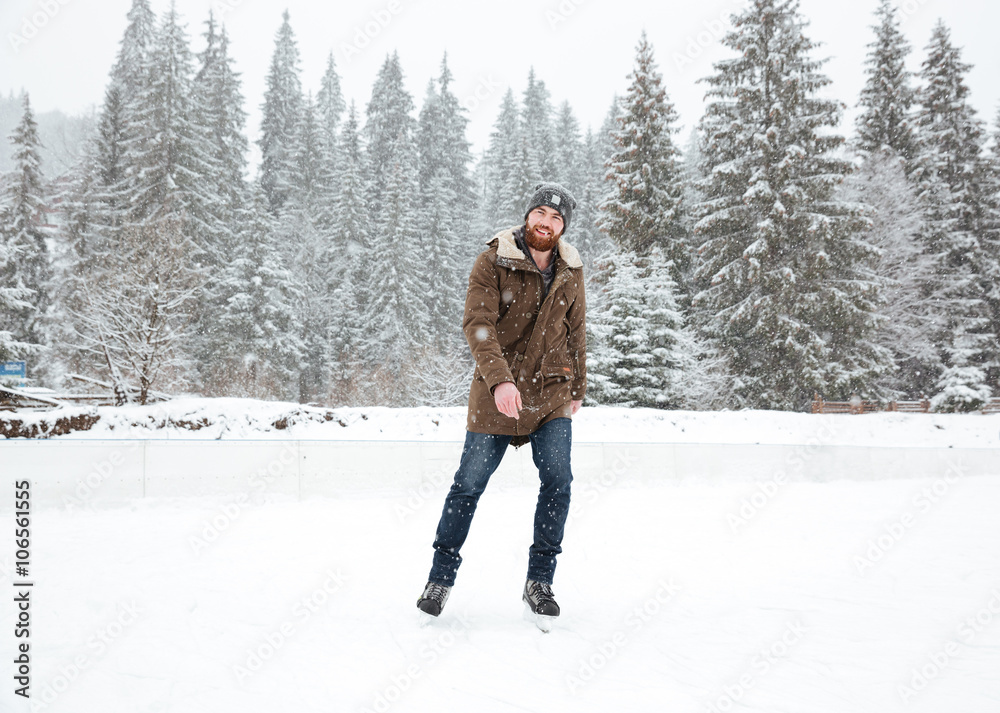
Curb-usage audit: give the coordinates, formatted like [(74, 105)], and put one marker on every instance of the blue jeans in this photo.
[(550, 446)]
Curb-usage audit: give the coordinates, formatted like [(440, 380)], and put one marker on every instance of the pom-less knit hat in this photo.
[(554, 196)]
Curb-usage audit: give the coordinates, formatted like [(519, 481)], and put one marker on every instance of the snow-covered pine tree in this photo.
[(429, 138), (109, 139), (708, 384), (606, 135), (394, 306), (642, 206), (220, 99), (258, 346), (952, 175), (441, 142), (395, 322), (305, 250), (896, 225), (539, 143), (446, 203), (78, 203), (457, 155), (389, 128), (993, 298), (121, 122), (81, 247), (518, 157), (523, 176), (104, 189), (478, 227), (887, 97), (439, 227), (12, 301), (786, 277), (330, 109), (598, 149), (349, 243), (575, 158), (131, 66), (502, 204), (643, 351), (350, 233), (585, 235), (521, 155), (568, 164), (95, 202), (307, 181), (171, 173), (696, 374), (109, 199), (282, 112), (27, 264), (691, 169), (457, 160), (14, 296), (887, 145), (330, 103), (618, 298), (995, 158), (443, 344)]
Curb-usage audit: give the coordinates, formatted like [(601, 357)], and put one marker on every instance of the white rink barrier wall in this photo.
[(87, 473)]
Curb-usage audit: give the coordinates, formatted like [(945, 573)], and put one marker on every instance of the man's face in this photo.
[(544, 226)]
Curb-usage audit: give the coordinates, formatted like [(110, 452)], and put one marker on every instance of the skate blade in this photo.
[(424, 619), (544, 623)]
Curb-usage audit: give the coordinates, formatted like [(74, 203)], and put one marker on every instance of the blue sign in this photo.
[(15, 369)]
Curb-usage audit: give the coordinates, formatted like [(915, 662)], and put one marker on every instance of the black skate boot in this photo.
[(542, 607), (433, 599)]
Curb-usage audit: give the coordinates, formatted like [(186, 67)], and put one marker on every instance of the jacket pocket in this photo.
[(556, 370)]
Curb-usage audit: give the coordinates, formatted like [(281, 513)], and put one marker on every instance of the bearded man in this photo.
[(525, 324)]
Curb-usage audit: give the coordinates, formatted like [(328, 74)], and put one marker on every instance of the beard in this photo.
[(539, 242)]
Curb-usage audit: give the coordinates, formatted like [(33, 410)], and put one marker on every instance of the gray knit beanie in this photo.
[(554, 196)]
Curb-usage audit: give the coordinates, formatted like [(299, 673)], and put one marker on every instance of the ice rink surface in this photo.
[(833, 597)]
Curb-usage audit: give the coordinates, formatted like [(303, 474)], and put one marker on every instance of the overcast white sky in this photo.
[(582, 49)]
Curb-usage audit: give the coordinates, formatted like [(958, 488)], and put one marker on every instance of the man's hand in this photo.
[(508, 399), (575, 405)]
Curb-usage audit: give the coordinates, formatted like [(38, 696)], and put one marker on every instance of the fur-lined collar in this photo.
[(507, 248)]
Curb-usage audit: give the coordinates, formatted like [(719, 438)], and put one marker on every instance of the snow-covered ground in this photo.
[(849, 596), (226, 419)]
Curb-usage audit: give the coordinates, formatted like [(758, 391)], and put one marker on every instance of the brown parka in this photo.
[(540, 346)]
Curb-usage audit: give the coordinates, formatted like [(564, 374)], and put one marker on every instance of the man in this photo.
[(524, 321)]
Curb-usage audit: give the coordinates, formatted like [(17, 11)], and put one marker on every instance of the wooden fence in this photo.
[(857, 406)]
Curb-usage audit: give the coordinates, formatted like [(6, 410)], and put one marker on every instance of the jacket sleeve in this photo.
[(577, 318), (482, 311)]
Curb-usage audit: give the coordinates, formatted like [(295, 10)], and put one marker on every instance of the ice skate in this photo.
[(432, 601), (541, 607)]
